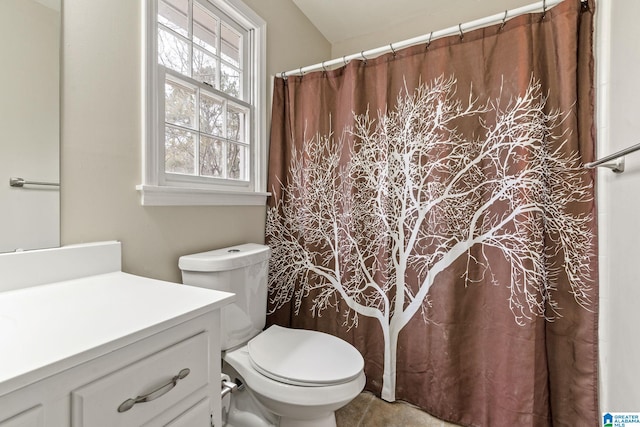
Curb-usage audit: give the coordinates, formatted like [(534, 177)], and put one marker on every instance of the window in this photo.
[(204, 104)]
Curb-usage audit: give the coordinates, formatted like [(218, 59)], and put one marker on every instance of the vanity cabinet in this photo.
[(90, 394), (110, 350)]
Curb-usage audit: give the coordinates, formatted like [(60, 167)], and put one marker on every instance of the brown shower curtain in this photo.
[(430, 206)]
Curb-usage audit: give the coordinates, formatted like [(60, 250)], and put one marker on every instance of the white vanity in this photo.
[(83, 344)]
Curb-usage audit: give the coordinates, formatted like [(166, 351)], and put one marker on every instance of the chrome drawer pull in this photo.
[(160, 391)]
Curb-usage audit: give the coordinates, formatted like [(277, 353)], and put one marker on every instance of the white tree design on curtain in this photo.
[(417, 195)]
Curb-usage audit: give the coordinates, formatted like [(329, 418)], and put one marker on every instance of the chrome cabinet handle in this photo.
[(160, 391)]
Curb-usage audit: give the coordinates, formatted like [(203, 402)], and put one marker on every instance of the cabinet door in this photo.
[(33, 417), (196, 416)]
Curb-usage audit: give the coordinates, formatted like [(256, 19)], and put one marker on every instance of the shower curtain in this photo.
[(430, 206)]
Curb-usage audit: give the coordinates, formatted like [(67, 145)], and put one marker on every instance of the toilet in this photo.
[(287, 377)]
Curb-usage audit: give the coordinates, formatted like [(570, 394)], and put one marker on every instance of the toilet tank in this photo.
[(241, 270)]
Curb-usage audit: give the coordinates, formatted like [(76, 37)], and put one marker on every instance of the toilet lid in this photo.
[(301, 357)]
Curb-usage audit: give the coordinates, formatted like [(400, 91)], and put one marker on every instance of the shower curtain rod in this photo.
[(426, 38), (607, 161)]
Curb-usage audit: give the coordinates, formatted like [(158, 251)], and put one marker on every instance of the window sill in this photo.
[(151, 195)]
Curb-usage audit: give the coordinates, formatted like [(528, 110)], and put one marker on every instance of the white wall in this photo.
[(102, 144), (29, 125), (618, 59)]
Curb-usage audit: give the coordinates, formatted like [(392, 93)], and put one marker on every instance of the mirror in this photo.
[(30, 124)]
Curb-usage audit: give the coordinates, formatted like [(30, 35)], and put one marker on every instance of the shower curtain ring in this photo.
[(392, 49), (324, 69), (364, 58), (460, 29), (504, 20), (544, 8), (429, 41), (344, 60), (300, 71), (283, 75)]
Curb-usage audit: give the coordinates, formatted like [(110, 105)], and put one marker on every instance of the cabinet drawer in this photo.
[(102, 402)]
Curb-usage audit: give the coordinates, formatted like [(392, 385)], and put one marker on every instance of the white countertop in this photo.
[(46, 329)]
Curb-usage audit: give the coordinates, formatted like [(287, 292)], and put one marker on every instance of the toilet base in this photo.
[(328, 421), (246, 410), (248, 418)]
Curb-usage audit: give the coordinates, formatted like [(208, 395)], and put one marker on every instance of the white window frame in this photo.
[(163, 189)]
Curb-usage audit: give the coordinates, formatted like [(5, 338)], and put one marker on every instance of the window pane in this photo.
[(204, 67), (173, 14), (205, 29), (173, 52), (207, 124), (211, 157), (237, 162), (231, 45), (236, 123), (180, 104), (211, 115), (179, 151), (230, 81)]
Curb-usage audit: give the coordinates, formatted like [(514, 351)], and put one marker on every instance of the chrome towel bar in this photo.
[(21, 182), (616, 166)]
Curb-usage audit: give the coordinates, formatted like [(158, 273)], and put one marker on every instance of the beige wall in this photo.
[(101, 137), (292, 40)]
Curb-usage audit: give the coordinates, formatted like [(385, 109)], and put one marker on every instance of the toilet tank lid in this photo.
[(225, 259)]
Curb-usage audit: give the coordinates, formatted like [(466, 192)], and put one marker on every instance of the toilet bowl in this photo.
[(304, 378), (287, 377)]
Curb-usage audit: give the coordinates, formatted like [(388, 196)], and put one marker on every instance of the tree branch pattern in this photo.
[(370, 217)]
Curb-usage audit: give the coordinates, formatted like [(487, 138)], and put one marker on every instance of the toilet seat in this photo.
[(238, 365), (305, 358)]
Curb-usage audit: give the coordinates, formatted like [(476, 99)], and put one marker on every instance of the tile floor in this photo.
[(366, 410)]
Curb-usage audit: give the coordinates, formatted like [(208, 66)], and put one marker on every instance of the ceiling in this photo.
[(340, 20)]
